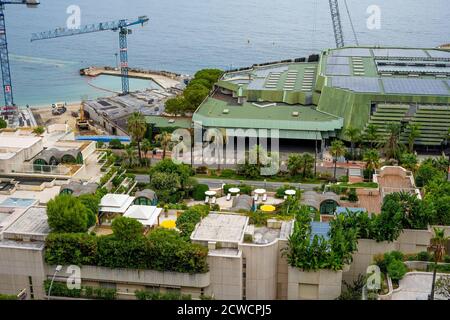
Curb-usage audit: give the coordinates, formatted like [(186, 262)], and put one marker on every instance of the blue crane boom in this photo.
[(121, 26), (337, 25), (9, 109)]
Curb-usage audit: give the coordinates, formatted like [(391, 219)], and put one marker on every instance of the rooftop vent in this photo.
[(226, 111), (295, 114)]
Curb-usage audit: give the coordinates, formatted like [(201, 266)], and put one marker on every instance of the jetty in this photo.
[(164, 79)]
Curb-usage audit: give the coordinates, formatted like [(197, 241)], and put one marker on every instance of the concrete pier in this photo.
[(164, 79)]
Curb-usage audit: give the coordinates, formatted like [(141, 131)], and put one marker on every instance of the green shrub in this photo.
[(424, 256), (396, 270), (199, 192), (127, 229), (71, 248), (447, 258), (320, 253), (280, 191), (116, 144), (201, 170), (227, 173), (162, 250), (60, 289), (245, 189), (187, 221), (352, 195), (67, 214), (148, 295)]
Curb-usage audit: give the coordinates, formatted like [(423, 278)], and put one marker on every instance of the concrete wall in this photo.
[(413, 241), (282, 272), (226, 276), (146, 277), (20, 269), (410, 241), (261, 270), (363, 257), (314, 285)]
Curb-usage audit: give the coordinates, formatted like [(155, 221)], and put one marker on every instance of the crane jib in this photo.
[(120, 25)]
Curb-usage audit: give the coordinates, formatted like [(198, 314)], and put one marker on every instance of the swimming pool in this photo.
[(18, 202)]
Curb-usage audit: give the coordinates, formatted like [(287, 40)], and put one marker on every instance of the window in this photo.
[(30, 282)]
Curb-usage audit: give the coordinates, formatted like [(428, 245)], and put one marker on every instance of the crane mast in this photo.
[(9, 110), (337, 25)]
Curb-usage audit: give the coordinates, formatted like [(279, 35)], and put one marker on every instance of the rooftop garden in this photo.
[(311, 253), (161, 250)]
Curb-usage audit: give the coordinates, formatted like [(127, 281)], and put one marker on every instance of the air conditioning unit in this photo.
[(295, 114)]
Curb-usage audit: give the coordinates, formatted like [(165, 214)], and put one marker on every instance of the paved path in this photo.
[(415, 286)]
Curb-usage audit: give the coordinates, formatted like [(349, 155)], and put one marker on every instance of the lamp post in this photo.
[(58, 269)]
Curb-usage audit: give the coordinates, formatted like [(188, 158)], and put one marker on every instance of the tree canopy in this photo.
[(67, 214)]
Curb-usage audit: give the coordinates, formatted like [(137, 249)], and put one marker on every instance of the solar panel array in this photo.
[(262, 73), (415, 86), (352, 52), (338, 70), (337, 60), (410, 53), (413, 69), (439, 54), (357, 84), (256, 84)]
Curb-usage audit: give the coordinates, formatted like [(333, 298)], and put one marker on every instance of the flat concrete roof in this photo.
[(17, 142), (220, 228), (32, 224)]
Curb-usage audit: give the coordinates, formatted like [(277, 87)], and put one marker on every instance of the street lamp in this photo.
[(58, 269)]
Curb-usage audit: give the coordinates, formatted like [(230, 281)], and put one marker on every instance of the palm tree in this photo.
[(372, 160), (130, 155), (146, 148), (294, 164), (414, 133), (165, 140), (137, 127), (353, 134), (371, 134), (337, 150), (409, 161), (438, 243), (391, 147), (308, 162)]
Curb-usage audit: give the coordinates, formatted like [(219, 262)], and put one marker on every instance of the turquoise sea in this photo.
[(184, 36)]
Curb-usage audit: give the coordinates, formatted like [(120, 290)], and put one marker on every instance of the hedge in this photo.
[(199, 192), (146, 295), (244, 189), (60, 289), (163, 250)]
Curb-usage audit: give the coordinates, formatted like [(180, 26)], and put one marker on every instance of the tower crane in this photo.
[(121, 26), (9, 109), (337, 23)]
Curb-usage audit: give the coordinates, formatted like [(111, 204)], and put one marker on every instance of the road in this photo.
[(217, 183)]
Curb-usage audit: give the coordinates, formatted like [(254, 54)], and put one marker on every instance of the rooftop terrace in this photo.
[(220, 228), (31, 225)]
